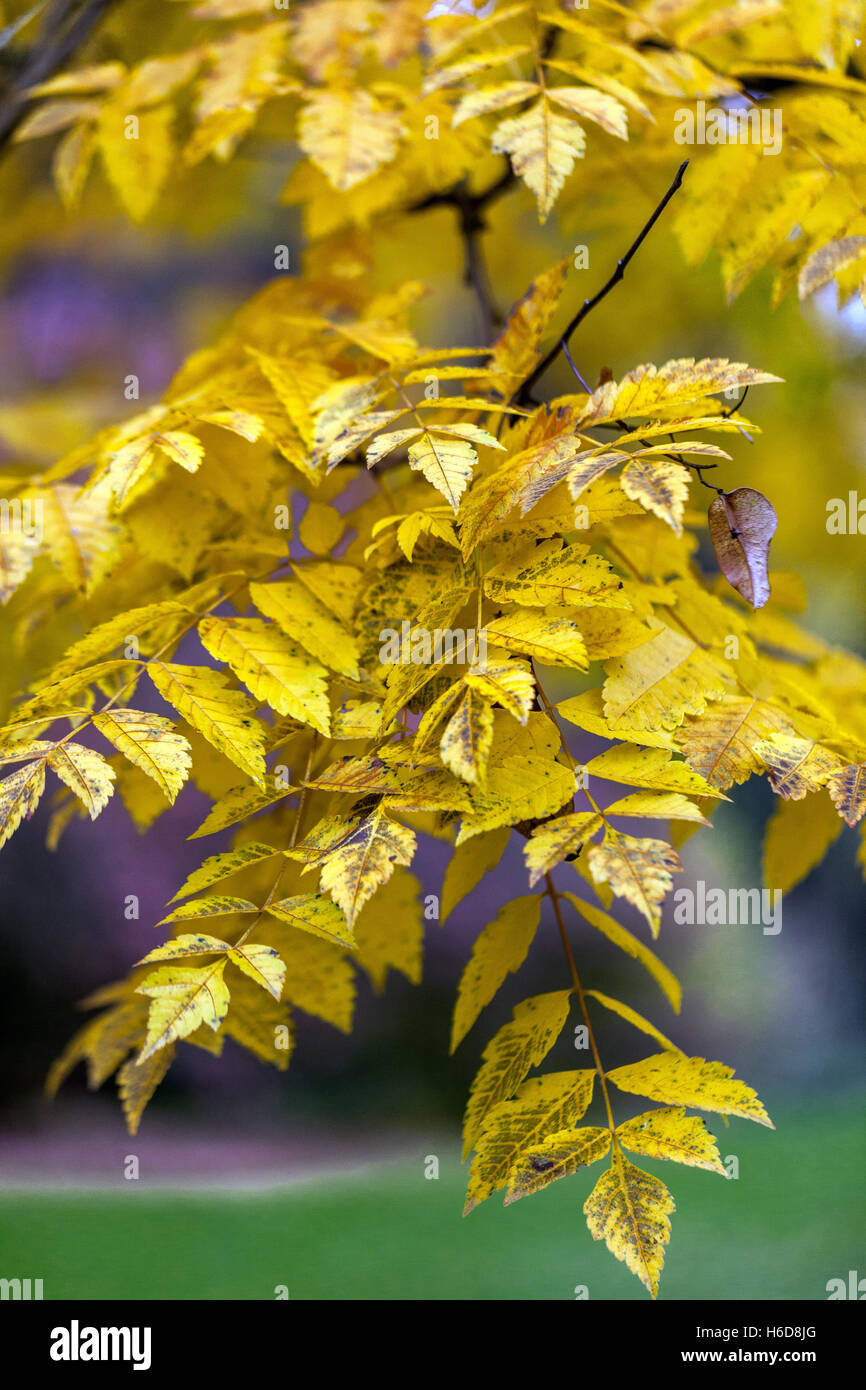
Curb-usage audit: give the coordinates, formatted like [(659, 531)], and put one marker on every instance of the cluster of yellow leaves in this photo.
[(389, 103), (344, 562), (527, 1133), (370, 662)]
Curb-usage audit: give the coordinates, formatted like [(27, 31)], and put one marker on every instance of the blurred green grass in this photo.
[(791, 1221)]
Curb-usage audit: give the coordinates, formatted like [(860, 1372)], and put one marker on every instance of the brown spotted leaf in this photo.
[(742, 523)]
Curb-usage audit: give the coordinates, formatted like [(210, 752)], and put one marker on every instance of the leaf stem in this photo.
[(581, 998)]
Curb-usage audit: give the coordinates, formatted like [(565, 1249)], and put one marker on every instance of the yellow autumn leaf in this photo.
[(86, 773), (657, 806), (638, 870), (305, 619), (847, 789), (224, 716), (543, 146), (137, 1081), (631, 1016), (348, 134), (619, 936), (259, 1023), (557, 840), (216, 906), (138, 152), (320, 528), (219, 866), (518, 346), (659, 683), (183, 999), (364, 860), (827, 262), (496, 98), (553, 641), (107, 638), (19, 797), (673, 1079), (509, 683), (629, 1209), (468, 865), (672, 1134), (465, 744), (445, 462), (797, 836), (389, 931), (594, 105), (661, 392), (102, 1044), (240, 802), (542, 1106), (720, 744), (558, 1155), (272, 667), (520, 481), (517, 788), (573, 576), (519, 1045), (587, 712), (260, 963), (310, 912), (93, 77), (796, 766), (54, 116), (499, 950), (660, 485), (83, 541), (653, 768), (150, 743)]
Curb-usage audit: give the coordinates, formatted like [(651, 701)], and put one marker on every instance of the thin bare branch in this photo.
[(589, 304)]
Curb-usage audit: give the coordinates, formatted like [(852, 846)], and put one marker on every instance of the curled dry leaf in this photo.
[(742, 523)]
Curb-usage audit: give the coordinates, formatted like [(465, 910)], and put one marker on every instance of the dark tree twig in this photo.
[(624, 426), (66, 26), (589, 304), (470, 209)]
